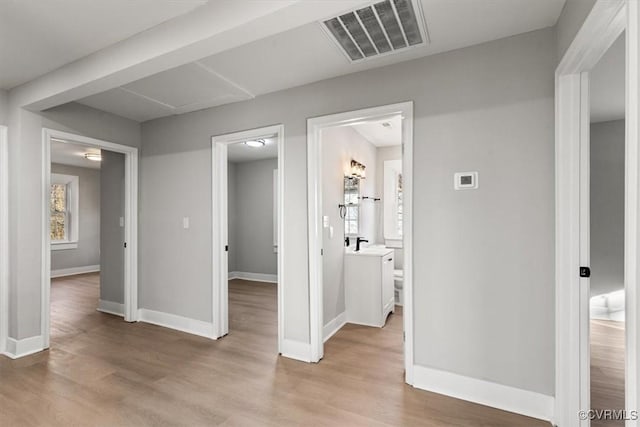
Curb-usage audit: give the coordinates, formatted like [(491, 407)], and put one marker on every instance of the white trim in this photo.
[(24, 347), (334, 326), (4, 239), (601, 28), (63, 246), (130, 227), (111, 307), (179, 323), (219, 226), (486, 393), (296, 350), (63, 272), (254, 277), (632, 210), (314, 199), (72, 224)]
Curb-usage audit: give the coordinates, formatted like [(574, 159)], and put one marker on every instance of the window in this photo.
[(393, 203), (352, 206), (63, 208)]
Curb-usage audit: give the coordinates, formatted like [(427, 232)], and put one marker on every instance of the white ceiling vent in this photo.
[(382, 28)]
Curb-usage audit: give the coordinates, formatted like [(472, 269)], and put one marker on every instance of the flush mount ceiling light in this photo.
[(94, 157), (255, 143)]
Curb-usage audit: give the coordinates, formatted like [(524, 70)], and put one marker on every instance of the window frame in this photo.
[(72, 214)]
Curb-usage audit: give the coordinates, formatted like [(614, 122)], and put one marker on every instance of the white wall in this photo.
[(232, 220), (111, 232), (339, 145), (484, 266), (383, 154), (25, 201), (252, 231), (607, 206), (4, 107), (88, 251)]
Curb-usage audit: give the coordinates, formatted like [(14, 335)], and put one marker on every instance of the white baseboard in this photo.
[(75, 270), (487, 393), (296, 350), (179, 323), (24, 347), (334, 326), (111, 307), (254, 277)]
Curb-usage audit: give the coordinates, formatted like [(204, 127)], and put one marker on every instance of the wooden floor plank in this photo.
[(102, 371)]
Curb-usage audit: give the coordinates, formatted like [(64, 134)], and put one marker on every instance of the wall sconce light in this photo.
[(357, 169)]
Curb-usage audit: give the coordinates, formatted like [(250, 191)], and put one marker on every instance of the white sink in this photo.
[(369, 251)]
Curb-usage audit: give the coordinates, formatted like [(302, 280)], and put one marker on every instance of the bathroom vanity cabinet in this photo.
[(368, 281)]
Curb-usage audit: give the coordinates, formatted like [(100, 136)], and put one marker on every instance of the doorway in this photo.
[(606, 22), (229, 237), (61, 205), (606, 231), (320, 223)]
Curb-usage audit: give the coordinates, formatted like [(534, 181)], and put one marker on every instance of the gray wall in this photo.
[(88, 251), (607, 206), (487, 253), (571, 19), (338, 146), (111, 232), (4, 107), (383, 154), (25, 201), (232, 218), (253, 231)]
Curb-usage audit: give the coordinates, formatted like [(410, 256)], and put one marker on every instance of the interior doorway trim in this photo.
[(130, 222), (4, 239), (607, 20), (219, 228), (314, 170)]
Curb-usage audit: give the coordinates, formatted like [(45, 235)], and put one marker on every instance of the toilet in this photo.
[(398, 278)]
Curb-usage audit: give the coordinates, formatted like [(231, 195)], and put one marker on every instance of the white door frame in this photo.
[(602, 27), (4, 239), (130, 222), (314, 181), (220, 226)]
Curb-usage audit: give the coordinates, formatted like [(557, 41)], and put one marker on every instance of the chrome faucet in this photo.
[(358, 241)]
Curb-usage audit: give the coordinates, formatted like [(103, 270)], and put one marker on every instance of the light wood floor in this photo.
[(102, 371), (607, 368)]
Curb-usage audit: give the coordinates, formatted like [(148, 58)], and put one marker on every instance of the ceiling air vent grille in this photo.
[(381, 28)]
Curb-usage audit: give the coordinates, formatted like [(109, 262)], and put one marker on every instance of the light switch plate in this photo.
[(185, 222), (325, 221), (121, 221), (465, 180)]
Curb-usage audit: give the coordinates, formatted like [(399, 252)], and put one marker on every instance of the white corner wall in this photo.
[(25, 198), (607, 206), (484, 267)]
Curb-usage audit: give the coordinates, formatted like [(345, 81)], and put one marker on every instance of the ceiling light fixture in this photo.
[(255, 143), (94, 157)]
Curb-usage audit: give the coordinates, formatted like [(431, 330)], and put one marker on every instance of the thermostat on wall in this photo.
[(465, 180)]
